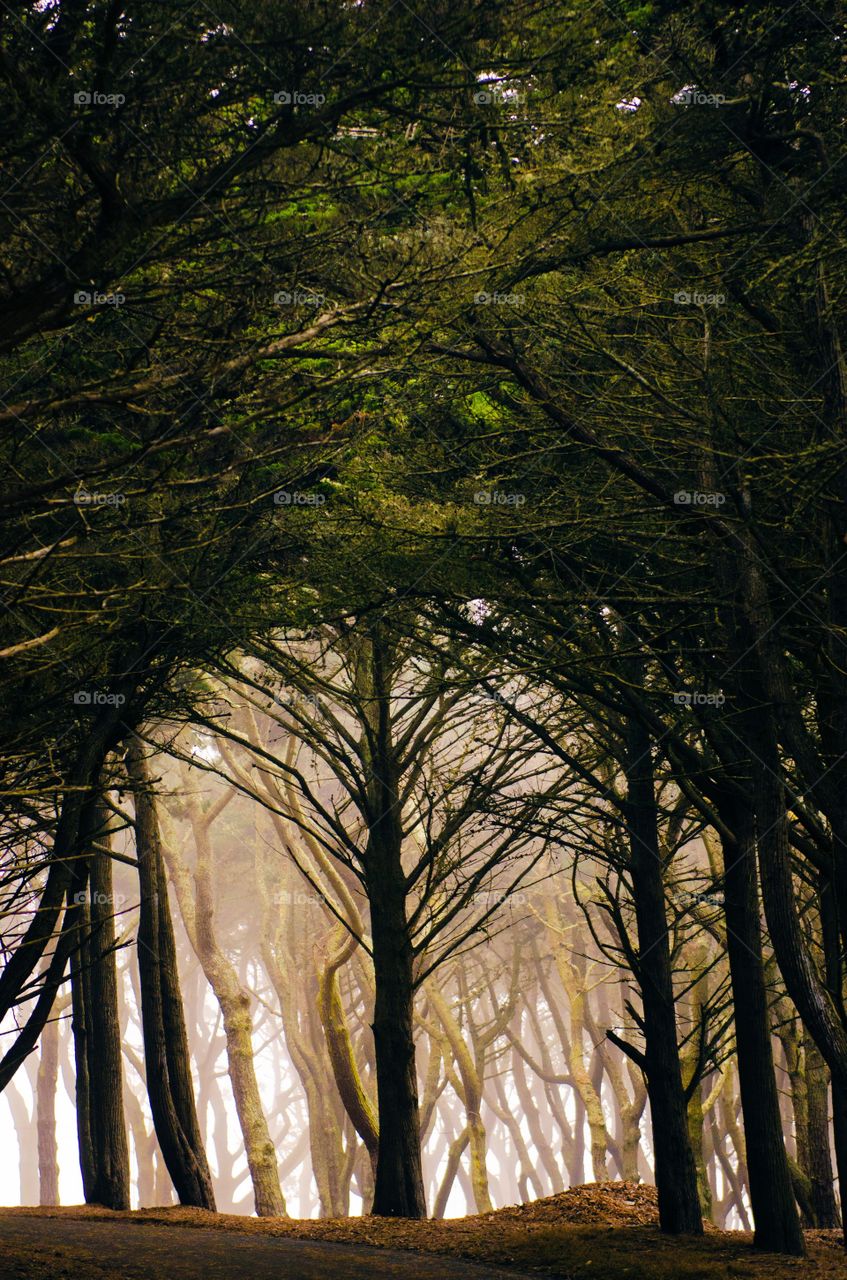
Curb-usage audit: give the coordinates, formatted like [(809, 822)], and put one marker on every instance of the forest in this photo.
[(423, 652)]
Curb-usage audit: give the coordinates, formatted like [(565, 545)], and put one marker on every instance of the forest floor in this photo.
[(606, 1231)]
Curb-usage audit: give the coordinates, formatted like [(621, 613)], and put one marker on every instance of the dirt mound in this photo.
[(602, 1204)]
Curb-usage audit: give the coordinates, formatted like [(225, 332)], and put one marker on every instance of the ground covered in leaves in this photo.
[(607, 1230)]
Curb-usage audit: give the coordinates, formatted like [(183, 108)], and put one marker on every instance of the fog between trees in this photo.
[(423, 648)]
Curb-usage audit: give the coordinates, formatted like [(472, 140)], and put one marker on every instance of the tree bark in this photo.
[(820, 1157), (472, 1092), (776, 1223), (399, 1188), (675, 1171), (45, 1101), (198, 913), (167, 1064)]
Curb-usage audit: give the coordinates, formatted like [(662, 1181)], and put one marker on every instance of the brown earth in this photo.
[(607, 1230)]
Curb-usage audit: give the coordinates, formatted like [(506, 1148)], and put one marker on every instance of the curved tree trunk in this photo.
[(198, 911), (355, 1100), (167, 1067), (819, 1155), (23, 1121), (572, 981), (471, 1097)]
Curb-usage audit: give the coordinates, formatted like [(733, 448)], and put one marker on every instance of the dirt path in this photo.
[(63, 1247)]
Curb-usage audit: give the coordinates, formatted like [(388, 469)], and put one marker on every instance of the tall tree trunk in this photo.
[(80, 1025), (574, 985), (45, 1103), (23, 1121), (820, 1158), (348, 1080), (398, 1184), (472, 1092), (198, 913), (104, 1151), (399, 1187), (167, 1064), (675, 1171), (775, 1218)]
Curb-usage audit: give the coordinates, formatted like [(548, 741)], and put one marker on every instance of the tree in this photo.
[(421, 819)]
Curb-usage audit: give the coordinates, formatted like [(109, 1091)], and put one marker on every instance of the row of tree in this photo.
[(521, 1091), (479, 387)]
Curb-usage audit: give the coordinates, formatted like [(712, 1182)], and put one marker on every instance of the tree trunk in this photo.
[(198, 913), (820, 1158), (675, 1171), (573, 983), (348, 1080), (45, 1101), (166, 1057), (111, 1182), (776, 1223), (23, 1122), (472, 1093), (80, 1025), (399, 1188)]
